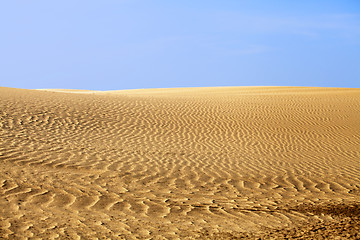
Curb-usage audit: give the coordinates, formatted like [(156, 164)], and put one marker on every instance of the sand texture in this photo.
[(196, 163)]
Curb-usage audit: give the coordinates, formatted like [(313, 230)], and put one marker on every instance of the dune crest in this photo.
[(220, 162)]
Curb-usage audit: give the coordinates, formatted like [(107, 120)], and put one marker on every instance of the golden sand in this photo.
[(187, 163)]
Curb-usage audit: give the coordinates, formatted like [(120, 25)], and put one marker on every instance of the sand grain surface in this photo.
[(217, 163)]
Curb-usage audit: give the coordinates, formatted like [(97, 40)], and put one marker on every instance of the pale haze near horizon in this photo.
[(161, 44)]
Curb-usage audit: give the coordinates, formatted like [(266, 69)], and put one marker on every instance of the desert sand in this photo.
[(190, 163)]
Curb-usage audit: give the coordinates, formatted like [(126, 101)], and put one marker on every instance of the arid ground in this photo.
[(191, 163)]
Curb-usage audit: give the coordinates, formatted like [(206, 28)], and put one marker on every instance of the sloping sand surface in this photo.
[(216, 163)]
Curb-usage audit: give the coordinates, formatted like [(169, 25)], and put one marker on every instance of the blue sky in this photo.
[(126, 44)]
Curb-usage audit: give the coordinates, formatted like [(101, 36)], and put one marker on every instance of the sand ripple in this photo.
[(177, 163)]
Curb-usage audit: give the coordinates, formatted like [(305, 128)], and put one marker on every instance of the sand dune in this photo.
[(217, 163)]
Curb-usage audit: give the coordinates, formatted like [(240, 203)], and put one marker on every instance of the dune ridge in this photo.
[(223, 162)]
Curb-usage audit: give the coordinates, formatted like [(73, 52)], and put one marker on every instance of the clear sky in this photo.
[(125, 44)]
